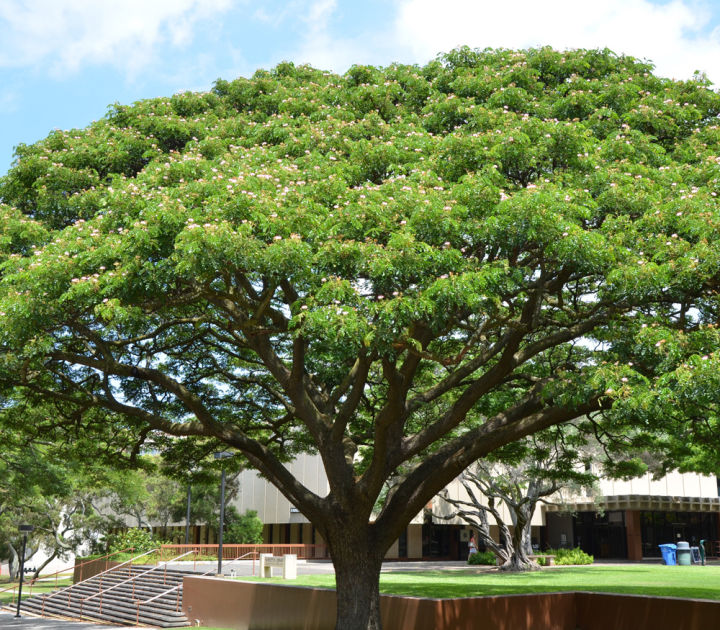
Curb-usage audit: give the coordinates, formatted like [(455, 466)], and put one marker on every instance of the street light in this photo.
[(191, 473), (222, 455), (24, 530), (187, 514)]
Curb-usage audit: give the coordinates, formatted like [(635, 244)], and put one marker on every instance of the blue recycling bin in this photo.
[(668, 553)]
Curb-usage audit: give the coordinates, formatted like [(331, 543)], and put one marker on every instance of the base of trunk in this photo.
[(357, 577), (518, 564)]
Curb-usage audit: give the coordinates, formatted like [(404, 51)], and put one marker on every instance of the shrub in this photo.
[(482, 557), (245, 529), (141, 540), (570, 556)]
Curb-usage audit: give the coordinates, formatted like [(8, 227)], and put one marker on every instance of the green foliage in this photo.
[(244, 529), (140, 540), (383, 199), (401, 269), (483, 557), (568, 556), (50, 488)]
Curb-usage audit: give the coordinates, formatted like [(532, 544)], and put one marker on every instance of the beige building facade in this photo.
[(620, 519)]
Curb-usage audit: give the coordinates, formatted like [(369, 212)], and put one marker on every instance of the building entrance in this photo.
[(669, 527), (601, 535), (440, 541)]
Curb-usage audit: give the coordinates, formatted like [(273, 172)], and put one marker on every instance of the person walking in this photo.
[(472, 547)]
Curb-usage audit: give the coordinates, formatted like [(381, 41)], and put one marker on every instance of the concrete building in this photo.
[(629, 519), (622, 519)]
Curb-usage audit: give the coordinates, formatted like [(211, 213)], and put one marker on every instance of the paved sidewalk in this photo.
[(8, 620)]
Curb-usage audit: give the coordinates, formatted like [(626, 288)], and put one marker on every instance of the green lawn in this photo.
[(7, 596), (688, 582)]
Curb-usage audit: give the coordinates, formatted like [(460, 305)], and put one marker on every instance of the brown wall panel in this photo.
[(233, 604), (259, 606), (600, 611)]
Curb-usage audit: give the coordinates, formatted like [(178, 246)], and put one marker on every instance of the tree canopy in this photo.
[(56, 493), (400, 268)]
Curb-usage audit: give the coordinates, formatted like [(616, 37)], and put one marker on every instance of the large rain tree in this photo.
[(401, 269)]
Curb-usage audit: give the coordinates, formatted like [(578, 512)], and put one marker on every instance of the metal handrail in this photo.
[(135, 577), (115, 568), (105, 557), (170, 590), (302, 550), (179, 586), (32, 582)]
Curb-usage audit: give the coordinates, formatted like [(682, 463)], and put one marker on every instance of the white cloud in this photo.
[(69, 34), (9, 101), (319, 48), (672, 35), (322, 48)]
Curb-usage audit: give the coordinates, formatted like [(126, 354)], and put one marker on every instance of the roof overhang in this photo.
[(639, 502)]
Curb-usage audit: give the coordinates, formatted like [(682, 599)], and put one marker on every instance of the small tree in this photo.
[(245, 529), (518, 477), (135, 538), (50, 489)]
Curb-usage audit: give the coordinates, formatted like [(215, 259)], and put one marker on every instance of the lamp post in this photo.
[(190, 477), (24, 530), (187, 514), (222, 455)]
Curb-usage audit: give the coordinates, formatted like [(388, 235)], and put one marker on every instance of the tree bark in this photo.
[(49, 559), (519, 560), (357, 564), (13, 562)]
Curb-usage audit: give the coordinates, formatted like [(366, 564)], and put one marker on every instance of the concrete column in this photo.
[(633, 531)]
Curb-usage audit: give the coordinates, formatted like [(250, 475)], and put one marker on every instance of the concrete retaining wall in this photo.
[(256, 606)]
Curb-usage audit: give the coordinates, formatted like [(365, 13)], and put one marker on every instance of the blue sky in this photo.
[(62, 62)]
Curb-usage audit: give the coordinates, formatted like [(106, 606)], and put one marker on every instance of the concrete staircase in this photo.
[(113, 597)]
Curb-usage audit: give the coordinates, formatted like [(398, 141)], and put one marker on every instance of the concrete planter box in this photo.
[(255, 606)]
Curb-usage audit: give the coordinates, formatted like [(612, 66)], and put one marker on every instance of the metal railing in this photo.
[(714, 548), (178, 587), (302, 551), (101, 575), (65, 571), (133, 579)]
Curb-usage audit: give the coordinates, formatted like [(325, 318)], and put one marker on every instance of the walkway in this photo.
[(8, 620)]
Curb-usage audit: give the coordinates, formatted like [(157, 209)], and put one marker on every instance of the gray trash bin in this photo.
[(684, 555)]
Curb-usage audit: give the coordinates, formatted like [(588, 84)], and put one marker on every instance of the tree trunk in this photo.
[(13, 563), (50, 558), (519, 560), (357, 574), (527, 538)]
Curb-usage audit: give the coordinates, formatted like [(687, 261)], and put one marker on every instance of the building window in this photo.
[(402, 545)]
